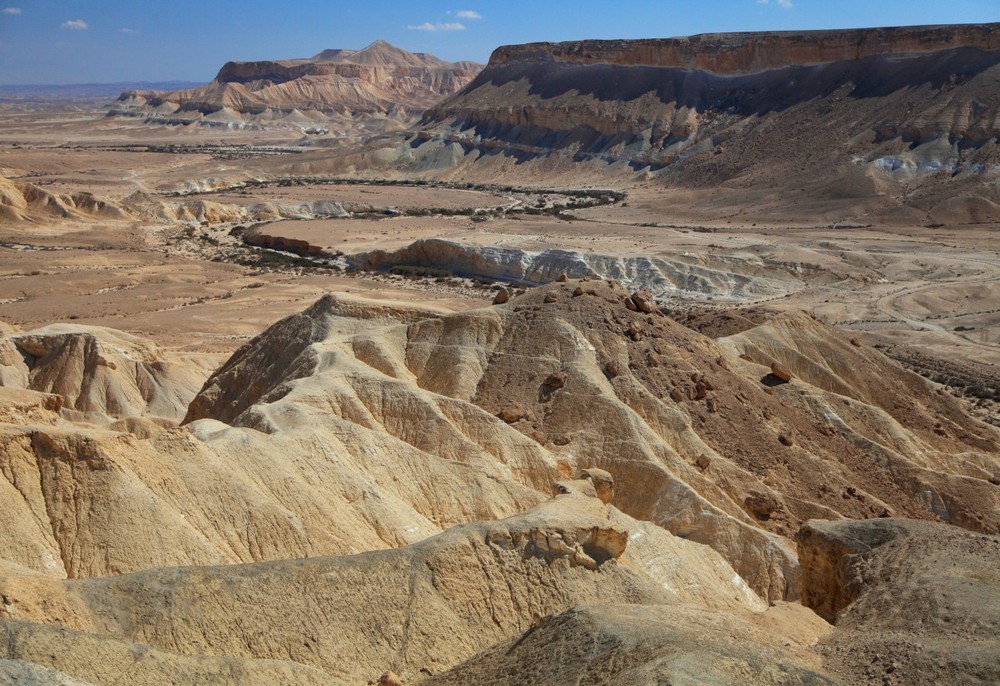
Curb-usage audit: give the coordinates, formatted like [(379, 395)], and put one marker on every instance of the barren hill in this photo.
[(98, 374), (377, 80), (389, 432), (700, 435), (901, 123), (21, 201), (385, 446)]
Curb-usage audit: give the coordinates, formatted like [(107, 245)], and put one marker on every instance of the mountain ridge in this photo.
[(379, 79)]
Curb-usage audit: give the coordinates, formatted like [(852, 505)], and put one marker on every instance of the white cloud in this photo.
[(11, 10), (76, 25), (784, 4), (447, 26), (469, 14), (129, 31)]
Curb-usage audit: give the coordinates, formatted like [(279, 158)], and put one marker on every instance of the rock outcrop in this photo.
[(99, 374), (746, 53), (652, 644), (684, 276), (416, 426), (689, 431), (914, 602), (350, 496), (24, 205), (23, 202), (418, 609)]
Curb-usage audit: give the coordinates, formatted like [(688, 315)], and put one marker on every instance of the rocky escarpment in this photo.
[(741, 53), (903, 105), (661, 275), (914, 602), (378, 80)]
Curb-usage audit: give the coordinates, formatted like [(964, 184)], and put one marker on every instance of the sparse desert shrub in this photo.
[(411, 271)]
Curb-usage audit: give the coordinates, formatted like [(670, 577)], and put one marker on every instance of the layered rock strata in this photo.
[(896, 106), (379, 79)]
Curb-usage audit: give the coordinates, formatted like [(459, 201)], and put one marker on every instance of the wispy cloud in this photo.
[(439, 26), (11, 10), (468, 14), (129, 31), (785, 4), (76, 25)]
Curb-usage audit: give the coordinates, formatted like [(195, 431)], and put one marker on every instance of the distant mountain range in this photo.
[(84, 91)]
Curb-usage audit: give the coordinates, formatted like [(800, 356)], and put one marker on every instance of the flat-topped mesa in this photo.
[(271, 70), (897, 106), (742, 53)]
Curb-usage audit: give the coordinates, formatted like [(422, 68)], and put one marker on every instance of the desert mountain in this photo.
[(895, 117), (385, 447), (679, 446), (698, 443), (401, 430), (378, 80)]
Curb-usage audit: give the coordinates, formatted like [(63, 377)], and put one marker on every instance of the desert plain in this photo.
[(926, 291)]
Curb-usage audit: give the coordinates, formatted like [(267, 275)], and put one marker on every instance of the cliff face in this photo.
[(379, 79), (861, 110), (741, 53), (266, 70)]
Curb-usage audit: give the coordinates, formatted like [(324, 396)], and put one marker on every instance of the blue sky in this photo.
[(101, 41)]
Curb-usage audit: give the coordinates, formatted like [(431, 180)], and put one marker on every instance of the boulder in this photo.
[(604, 483), (781, 371), (644, 302)]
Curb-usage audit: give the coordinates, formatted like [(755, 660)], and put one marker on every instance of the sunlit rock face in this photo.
[(378, 80)]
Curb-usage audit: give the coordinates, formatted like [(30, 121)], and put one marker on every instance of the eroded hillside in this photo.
[(684, 466), (306, 93)]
